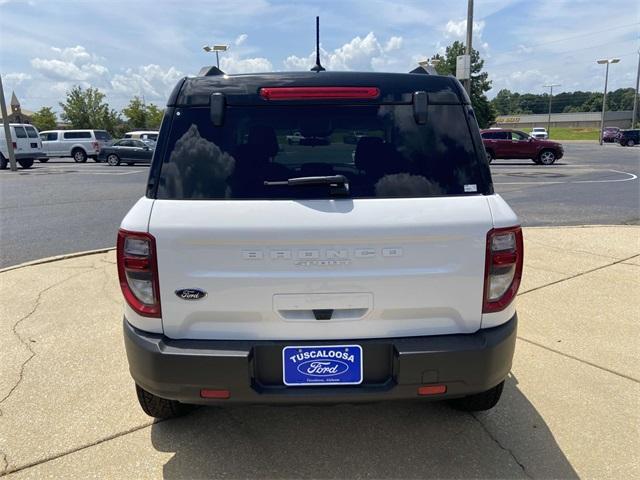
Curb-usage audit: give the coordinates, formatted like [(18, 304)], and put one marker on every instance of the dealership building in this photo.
[(620, 119)]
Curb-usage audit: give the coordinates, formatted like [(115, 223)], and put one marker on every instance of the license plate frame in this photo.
[(315, 365)]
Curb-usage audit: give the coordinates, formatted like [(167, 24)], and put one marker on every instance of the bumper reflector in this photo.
[(219, 394), (432, 390)]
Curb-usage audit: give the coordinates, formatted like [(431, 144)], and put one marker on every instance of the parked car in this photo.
[(504, 143), (610, 134), (252, 272), (629, 138), (26, 145), (127, 150), (143, 135), (77, 144), (539, 132), (295, 138)]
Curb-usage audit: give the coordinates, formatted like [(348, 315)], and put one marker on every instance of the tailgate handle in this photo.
[(420, 104), (216, 107)]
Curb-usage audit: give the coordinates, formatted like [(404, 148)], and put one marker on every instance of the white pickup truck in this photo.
[(257, 273)]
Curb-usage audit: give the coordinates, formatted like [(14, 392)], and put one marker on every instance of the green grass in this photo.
[(559, 133)]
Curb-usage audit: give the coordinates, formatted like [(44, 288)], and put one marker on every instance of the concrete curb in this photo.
[(56, 258)]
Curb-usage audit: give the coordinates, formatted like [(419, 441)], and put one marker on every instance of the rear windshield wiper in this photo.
[(338, 184)]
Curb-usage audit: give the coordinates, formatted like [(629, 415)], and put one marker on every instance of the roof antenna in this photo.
[(317, 67)]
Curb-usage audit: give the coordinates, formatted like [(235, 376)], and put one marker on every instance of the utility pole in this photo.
[(550, 97), (635, 95), (606, 62), (7, 130), (467, 82)]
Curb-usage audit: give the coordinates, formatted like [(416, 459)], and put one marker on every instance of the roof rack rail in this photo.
[(425, 70), (210, 72)]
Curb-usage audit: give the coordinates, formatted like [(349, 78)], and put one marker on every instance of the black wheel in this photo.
[(113, 160), (547, 157), (26, 162), (43, 160), (479, 401), (489, 156), (630, 143), (160, 407), (79, 155), (3, 162)]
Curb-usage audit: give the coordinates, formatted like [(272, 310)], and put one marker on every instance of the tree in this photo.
[(154, 116), (480, 83), (140, 115), (44, 119), (87, 109)]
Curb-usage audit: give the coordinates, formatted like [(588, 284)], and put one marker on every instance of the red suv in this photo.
[(505, 143)]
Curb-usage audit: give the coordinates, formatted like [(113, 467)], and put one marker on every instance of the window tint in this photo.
[(495, 135), (31, 132), (152, 136), (379, 149), (138, 143), (52, 136), (102, 135), (20, 132), (72, 135)]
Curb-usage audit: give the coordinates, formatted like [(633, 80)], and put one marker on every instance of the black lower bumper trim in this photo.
[(252, 371)]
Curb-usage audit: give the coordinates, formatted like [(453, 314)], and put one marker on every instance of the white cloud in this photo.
[(459, 29), (241, 39), (359, 54), (151, 80), (234, 64), (17, 77), (72, 63)]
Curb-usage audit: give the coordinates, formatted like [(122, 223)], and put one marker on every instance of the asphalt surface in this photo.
[(63, 207)]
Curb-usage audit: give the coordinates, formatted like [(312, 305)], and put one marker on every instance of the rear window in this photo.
[(72, 135), (31, 132), (102, 135), (380, 149)]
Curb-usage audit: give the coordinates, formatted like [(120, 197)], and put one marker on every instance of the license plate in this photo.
[(322, 365)]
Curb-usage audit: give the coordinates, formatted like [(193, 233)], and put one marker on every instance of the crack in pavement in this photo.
[(579, 274), (6, 464), (83, 447), (27, 344), (497, 442)]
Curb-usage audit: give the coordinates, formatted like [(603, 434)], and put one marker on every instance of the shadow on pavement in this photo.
[(383, 440)]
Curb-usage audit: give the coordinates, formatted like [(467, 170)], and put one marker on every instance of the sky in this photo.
[(143, 47)]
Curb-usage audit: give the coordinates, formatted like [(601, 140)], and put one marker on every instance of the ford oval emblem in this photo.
[(191, 293), (323, 368)]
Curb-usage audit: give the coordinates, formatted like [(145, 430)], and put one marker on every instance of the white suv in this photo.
[(77, 144), (26, 145), (322, 271)]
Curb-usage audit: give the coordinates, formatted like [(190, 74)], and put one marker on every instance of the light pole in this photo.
[(605, 61), (7, 130), (467, 83), (216, 48), (635, 95), (550, 86)]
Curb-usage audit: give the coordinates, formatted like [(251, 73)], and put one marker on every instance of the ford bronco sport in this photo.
[(337, 268)]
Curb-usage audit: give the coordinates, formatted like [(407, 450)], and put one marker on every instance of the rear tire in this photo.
[(160, 407), (79, 155), (480, 401), (547, 157), (26, 162), (3, 162), (43, 160), (490, 156), (113, 160), (630, 143)]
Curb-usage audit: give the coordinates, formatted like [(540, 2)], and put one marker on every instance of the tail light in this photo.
[(138, 272), (15, 145), (319, 93), (96, 146), (503, 268)]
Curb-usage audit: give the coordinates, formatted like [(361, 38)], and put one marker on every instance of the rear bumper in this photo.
[(251, 370)]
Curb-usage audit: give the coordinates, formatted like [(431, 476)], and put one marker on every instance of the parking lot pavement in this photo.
[(570, 407)]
